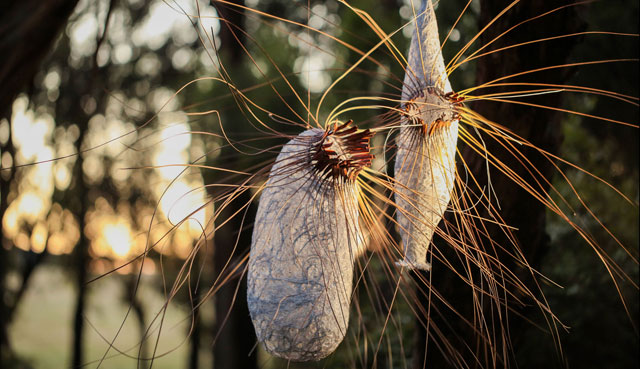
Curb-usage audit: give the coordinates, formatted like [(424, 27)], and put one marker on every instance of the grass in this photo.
[(41, 331)]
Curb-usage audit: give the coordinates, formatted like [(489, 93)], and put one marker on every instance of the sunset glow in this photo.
[(117, 237), (35, 224)]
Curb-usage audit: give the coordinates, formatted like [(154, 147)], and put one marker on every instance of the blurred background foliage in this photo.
[(124, 186)]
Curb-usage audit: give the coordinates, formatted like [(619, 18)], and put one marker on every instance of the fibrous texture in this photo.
[(425, 159), (305, 239)]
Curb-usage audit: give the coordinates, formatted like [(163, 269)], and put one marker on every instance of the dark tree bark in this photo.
[(194, 338), (196, 287), (519, 209), (6, 177), (136, 307), (81, 259), (28, 30), (230, 36), (539, 126), (233, 329)]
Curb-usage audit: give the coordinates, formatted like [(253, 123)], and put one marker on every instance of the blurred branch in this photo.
[(28, 30), (100, 39)]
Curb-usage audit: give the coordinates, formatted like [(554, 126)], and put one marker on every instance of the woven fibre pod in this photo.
[(426, 144), (305, 239)]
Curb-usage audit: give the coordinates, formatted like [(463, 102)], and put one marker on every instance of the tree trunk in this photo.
[(518, 208), (138, 310), (233, 330), (230, 35), (6, 177), (81, 259), (194, 338), (28, 29), (195, 290)]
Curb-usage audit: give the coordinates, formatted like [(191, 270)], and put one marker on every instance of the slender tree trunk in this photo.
[(81, 259), (94, 86), (229, 33), (6, 177), (197, 286), (194, 338), (138, 310), (233, 327), (232, 331)]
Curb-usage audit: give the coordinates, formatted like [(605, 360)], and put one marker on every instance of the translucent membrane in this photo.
[(305, 240)]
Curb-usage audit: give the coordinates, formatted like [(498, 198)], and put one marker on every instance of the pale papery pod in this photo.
[(426, 143), (306, 237)]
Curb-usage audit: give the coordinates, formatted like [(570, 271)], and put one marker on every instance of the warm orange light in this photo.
[(110, 231), (39, 237), (30, 200), (31, 206), (117, 236)]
